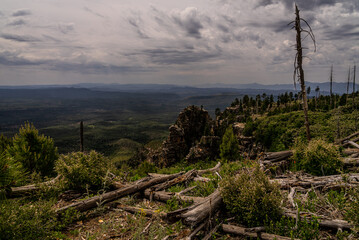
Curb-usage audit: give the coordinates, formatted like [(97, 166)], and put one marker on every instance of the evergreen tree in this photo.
[(229, 148)]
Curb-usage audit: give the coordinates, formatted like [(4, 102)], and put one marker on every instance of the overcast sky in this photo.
[(176, 42)]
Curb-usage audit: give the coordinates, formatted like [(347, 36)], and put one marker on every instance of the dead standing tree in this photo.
[(298, 63)]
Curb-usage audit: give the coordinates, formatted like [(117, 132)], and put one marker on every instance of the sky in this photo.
[(172, 42)]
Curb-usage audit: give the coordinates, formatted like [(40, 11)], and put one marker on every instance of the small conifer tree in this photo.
[(36, 153), (229, 148)]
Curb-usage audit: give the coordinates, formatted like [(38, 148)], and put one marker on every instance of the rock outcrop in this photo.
[(192, 123)]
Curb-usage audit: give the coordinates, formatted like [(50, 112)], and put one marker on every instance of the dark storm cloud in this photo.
[(136, 23), (347, 31), (17, 22), (21, 12), (174, 56), (18, 38), (14, 59), (189, 21)]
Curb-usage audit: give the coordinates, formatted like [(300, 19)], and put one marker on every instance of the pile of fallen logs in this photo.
[(201, 213)]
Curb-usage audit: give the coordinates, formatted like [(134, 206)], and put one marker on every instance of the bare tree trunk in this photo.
[(81, 136), (299, 68), (346, 101)]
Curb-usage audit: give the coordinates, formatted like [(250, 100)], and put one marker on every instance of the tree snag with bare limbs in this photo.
[(298, 63)]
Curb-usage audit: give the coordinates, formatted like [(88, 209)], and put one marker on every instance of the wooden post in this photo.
[(81, 136)]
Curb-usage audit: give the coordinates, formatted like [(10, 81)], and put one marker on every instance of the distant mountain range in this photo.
[(200, 90)]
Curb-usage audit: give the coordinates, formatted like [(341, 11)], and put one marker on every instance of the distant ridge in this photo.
[(251, 88)]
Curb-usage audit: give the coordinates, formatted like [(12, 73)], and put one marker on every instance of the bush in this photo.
[(36, 153), (251, 198), (82, 171), (11, 173), (229, 148), (317, 158)]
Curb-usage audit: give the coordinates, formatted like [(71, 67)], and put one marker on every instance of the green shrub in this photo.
[(11, 173), (251, 198), (229, 148), (4, 143), (317, 158), (82, 171), (31, 220), (36, 153)]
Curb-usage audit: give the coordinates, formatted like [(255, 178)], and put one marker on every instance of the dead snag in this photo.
[(113, 195), (298, 63), (242, 232)]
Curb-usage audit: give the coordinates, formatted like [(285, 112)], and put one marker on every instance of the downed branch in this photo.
[(201, 211), (142, 211), (20, 191), (113, 195), (324, 222), (165, 196), (277, 156), (214, 169), (308, 181), (348, 137), (244, 232)]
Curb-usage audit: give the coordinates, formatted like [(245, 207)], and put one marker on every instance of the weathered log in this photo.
[(313, 181), (209, 235), (346, 144), (348, 137), (165, 196), (242, 232), (142, 211), (113, 195), (203, 210), (277, 156), (214, 169), (350, 151), (350, 162), (324, 222), (196, 230), (202, 179), (23, 190), (187, 190), (182, 178), (351, 143)]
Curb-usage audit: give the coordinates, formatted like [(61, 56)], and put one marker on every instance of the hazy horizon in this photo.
[(183, 43)]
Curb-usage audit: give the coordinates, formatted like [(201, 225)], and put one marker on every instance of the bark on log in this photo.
[(348, 137), (350, 151), (113, 195), (351, 143), (165, 196), (350, 162), (23, 190), (312, 181), (203, 210), (142, 211), (214, 169), (277, 156), (324, 222), (183, 178), (242, 232)]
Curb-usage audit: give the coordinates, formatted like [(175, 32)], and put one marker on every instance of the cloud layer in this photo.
[(184, 42)]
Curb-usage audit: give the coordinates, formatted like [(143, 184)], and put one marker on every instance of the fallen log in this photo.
[(350, 162), (165, 196), (353, 144), (113, 195), (348, 137), (313, 181), (23, 190), (277, 156), (182, 178), (324, 222), (214, 230), (143, 211), (214, 169), (203, 210), (242, 232), (350, 151)]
